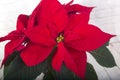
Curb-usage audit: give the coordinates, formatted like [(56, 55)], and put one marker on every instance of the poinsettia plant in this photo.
[(54, 40)]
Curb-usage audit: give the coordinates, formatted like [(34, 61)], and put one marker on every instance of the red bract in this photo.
[(53, 24)]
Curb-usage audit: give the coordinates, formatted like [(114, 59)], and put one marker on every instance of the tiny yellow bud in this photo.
[(60, 38)]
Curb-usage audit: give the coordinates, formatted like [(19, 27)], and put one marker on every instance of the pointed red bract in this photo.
[(40, 35), (80, 59), (58, 58), (73, 8), (10, 47), (52, 12), (34, 54), (22, 22), (11, 36), (87, 38), (78, 15)]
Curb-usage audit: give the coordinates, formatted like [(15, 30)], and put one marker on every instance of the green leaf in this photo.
[(22, 72), (65, 74), (9, 60), (104, 57), (90, 72), (11, 57), (106, 44), (19, 71), (49, 75)]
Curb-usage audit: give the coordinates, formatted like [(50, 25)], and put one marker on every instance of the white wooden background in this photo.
[(106, 15)]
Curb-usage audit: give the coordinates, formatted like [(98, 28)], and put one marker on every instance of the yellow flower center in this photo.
[(60, 38)]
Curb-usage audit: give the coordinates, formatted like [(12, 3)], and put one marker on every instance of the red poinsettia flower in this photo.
[(16, 37), (51, 24)]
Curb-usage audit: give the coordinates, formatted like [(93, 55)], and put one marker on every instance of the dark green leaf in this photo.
[(104, 57), (22, 72), (49, 75), (90, 72), (9, 60), (19, 71), (11, 57), (65, 74), (106, 44)]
